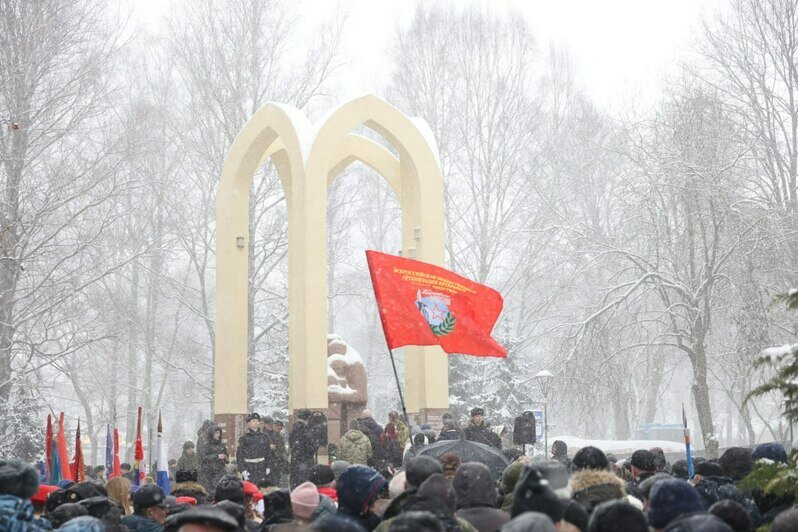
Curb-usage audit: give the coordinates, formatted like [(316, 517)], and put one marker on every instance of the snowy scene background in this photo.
[(638, 239)]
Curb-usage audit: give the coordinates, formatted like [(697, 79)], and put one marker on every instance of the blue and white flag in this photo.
[(162, 478)]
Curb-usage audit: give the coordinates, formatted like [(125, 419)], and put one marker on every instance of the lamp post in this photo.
[(544, 378)]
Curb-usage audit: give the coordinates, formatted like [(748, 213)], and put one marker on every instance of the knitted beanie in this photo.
[(305, 500)]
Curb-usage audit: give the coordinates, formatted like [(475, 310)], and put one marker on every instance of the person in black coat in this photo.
[(479, 431), (213, 459), (303, 442), (254, 454)]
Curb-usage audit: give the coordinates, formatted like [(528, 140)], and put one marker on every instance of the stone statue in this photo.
[(347, 386)]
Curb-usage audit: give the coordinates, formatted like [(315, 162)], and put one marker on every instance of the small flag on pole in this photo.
[(162, 476), (63, 457), (109, 452), (117, 465), (48, 447), (78, 468), (55, 464), (138, 456)]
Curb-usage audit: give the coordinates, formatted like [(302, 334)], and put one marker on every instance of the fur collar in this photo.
[(586, 478)]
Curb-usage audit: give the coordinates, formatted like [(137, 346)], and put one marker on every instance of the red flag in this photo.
[(77, 466), (117, 465), (138, 455), (66, 474), (48, 447), (422, 304)]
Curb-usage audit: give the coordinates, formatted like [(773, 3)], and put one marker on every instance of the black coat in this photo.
[(483, 435), (255, 455), (211, 466)]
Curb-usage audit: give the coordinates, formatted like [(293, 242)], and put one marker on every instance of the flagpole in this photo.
[(688, 451), (399, 387)]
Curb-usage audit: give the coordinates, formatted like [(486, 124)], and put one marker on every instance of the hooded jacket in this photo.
[(591, 487), (211, 466), (476, 497), (355, 448), (510, 478)]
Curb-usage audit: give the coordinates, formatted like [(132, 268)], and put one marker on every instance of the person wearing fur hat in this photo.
[(18, 483), (736, 462), (478, 430), (254, 456), (476, 497), (591, 487), (450, 463), (213, 459), (186, 485)]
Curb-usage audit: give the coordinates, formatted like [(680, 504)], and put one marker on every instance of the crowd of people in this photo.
[(377, 478)]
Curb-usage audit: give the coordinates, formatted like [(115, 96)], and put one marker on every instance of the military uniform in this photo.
[(255, 456)]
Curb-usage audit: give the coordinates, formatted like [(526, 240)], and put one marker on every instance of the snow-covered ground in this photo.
[(618, 446)]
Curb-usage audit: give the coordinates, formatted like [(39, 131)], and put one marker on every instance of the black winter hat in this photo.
[(148, 496), (590, 458), (185, 475), (679, 469), (234, 510), (303, 413), (533, 494), (785, 521), (644, 460), (617, 516), (188, 444), (576, 514), (736, 462), (733, 514), (268, 420), (65, 512), (18, 479), (202, 515), (253, 415), (321, 474), (86, 490), (419, 469), (709, 469), (477, 411), (99, 507), (56, 499), (229, 488)]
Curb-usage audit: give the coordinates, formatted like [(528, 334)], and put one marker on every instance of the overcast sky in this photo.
[(618, 46)]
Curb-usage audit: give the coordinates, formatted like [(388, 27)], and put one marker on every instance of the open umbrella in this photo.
[(469, 451)]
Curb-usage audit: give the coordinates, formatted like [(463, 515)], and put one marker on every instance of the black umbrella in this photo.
[(469, 451)]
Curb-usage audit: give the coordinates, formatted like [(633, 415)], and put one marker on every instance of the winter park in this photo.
[(418, 266)]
